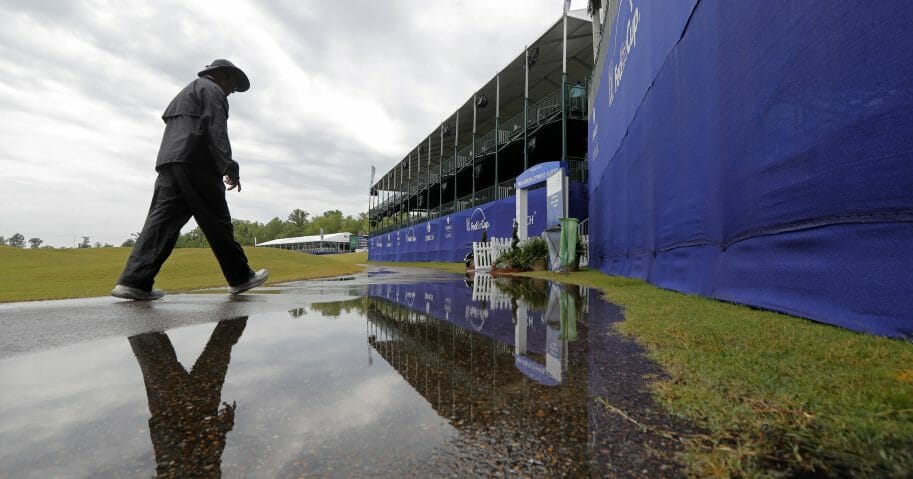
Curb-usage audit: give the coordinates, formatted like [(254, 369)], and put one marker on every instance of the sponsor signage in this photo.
[(537, 174)]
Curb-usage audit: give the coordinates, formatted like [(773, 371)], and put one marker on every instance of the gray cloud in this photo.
[(336, 87)]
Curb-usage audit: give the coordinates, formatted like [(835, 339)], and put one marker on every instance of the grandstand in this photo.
[(463, 171)]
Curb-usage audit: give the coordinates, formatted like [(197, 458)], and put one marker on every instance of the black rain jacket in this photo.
[(196, 130)]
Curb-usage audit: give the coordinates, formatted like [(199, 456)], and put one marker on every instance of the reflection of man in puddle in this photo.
[(187, 426)]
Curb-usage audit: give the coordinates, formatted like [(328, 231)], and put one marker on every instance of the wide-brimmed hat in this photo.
[(238, 76)]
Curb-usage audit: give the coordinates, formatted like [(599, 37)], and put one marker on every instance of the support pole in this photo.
[(386, 199), (497, 130), (472, 151), (456, 169), (428, 183), (408, 194), (440, 174), (525, 108), (564, 92), (522, 213)]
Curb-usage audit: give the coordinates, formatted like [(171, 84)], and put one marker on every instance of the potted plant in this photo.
[(535, 252)]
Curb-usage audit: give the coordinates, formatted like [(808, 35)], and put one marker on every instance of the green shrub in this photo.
[(534, 249)]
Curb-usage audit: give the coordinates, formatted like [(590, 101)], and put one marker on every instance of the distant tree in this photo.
[(2, 240), (16, 241), (98, 244), (35, 242), (129, 242), (85, 242), (355, 225), (246, 232), (329, 221), (299, 218), (193, 239), (271, 230)]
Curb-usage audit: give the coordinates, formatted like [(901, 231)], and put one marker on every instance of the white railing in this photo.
[(583, 232), (485, 255), (483, 289), (481, 255)]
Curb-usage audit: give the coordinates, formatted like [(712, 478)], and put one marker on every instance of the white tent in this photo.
[(328, 243)]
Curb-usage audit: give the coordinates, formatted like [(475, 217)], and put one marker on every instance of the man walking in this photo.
[(193, 161)]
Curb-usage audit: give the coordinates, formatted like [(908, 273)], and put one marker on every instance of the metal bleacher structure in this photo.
[(532, 111)]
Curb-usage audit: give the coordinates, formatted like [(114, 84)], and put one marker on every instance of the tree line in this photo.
[(17, 240), (298, 223)]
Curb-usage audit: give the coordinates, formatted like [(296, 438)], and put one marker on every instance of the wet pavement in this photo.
[(394, 373)]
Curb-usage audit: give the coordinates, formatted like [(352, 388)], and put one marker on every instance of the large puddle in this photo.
[(452, 377)]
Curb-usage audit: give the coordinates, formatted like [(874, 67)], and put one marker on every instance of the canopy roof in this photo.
[(544, 78), (327, 238)]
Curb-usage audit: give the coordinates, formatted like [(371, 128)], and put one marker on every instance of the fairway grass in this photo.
[(37, 274)]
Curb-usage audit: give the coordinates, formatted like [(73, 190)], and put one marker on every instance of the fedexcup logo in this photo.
[(477, 221), (410, 236)]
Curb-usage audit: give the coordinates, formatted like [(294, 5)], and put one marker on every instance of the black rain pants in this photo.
[(181, 192)]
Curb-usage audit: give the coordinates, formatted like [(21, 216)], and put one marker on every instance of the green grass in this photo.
[(778, 395), (35, 274)]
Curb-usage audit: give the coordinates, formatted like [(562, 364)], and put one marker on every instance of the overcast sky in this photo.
[(336, 86)]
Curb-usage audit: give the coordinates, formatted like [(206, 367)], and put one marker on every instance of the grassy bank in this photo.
[(33, 274), (777, 395)]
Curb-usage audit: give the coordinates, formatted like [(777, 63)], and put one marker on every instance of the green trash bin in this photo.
[(567, 252)]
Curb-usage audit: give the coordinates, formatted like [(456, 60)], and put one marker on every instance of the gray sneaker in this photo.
[(129, 292), (255, 280)]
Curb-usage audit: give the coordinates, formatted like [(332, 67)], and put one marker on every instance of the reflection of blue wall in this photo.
[(448, 238), (452, 302), (760, 152)]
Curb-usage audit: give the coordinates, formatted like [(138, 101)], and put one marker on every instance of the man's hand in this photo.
[(232, 183)]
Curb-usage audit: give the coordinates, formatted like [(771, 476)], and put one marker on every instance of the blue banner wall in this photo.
[(761, 152), (449, 238), (452, 302)]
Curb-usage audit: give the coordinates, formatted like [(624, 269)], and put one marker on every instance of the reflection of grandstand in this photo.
[(534, 110), (472, 380)]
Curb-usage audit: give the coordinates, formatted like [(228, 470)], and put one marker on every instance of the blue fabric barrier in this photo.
[(761, 153), (452, 302), (449, 238)]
